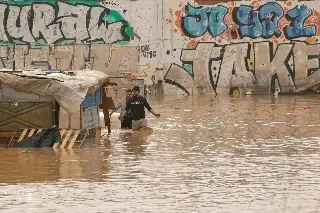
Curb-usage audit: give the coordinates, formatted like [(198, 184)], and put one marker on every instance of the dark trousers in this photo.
[(126, 123)]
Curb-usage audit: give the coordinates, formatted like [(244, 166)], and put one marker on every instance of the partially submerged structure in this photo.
[(34, 100)]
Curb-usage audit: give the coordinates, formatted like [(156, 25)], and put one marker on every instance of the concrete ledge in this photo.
[(299, 93)]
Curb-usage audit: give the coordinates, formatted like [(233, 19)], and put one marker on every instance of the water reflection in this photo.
[(252, 154), (28, 165), (134, 143), (42, 165)]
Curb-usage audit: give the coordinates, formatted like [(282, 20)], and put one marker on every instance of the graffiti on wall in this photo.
[(146, 52), (199, 20), (259, 44), (247, 65), (65, 35), (264, 21), (103, 57), (58, 22), (256, 20)]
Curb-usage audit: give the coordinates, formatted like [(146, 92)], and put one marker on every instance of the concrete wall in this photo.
[(256, 45), (195, 46)]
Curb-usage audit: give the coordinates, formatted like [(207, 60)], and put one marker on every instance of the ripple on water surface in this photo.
[(253, 154)]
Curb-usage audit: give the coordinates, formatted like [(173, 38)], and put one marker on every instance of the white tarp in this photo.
[(69, 89)]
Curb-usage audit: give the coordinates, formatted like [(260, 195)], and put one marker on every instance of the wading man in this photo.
[(126, 120), (107, 103), (136, 106)]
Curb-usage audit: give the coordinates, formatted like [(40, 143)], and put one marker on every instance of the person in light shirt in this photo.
[(136, 105), (126, 120)]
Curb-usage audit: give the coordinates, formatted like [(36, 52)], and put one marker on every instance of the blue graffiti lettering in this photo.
[(196, 22), (248, 19), (270, 14), (216, 20), (298, 16), (253, 23)]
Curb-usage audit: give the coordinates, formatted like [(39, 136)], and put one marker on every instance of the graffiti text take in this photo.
[(52, 23), (254, 23), (245, 66)]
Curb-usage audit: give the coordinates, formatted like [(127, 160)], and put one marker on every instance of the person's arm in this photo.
[(116, 108), (126, 110), (147, 105)]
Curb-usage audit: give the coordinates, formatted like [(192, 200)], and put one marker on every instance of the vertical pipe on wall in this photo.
[(14, 60), (160, 43), (162, 35), (171, 39), (157, 36)]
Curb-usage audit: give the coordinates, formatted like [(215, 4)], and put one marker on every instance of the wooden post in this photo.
[(98, 135), (14, 60)]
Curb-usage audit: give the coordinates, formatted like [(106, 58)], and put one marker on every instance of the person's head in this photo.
[(128, 93), (135, 91)]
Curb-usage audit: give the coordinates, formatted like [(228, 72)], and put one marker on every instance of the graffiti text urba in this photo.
[(48, 23)]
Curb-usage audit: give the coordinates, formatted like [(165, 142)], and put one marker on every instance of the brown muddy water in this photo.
[(256, 154)]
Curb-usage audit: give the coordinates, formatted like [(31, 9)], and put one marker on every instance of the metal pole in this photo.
[(14, 60)]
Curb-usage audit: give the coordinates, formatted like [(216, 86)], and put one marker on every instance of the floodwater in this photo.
[(255, 154)]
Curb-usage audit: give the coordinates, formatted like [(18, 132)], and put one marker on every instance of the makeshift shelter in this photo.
[(33, 98)]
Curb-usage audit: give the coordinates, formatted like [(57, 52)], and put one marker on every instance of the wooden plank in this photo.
[(84, 138), (69, 120), (66, 138), (80, 123), (64, 119), (98, 135), (75, 120), (22, 117), (22, 135), (6, 134), (56, 145), (12, 137), (75, 136), (62, 131), (31, 132)]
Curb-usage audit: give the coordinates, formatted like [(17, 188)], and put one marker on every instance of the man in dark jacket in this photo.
[(136, 105)]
